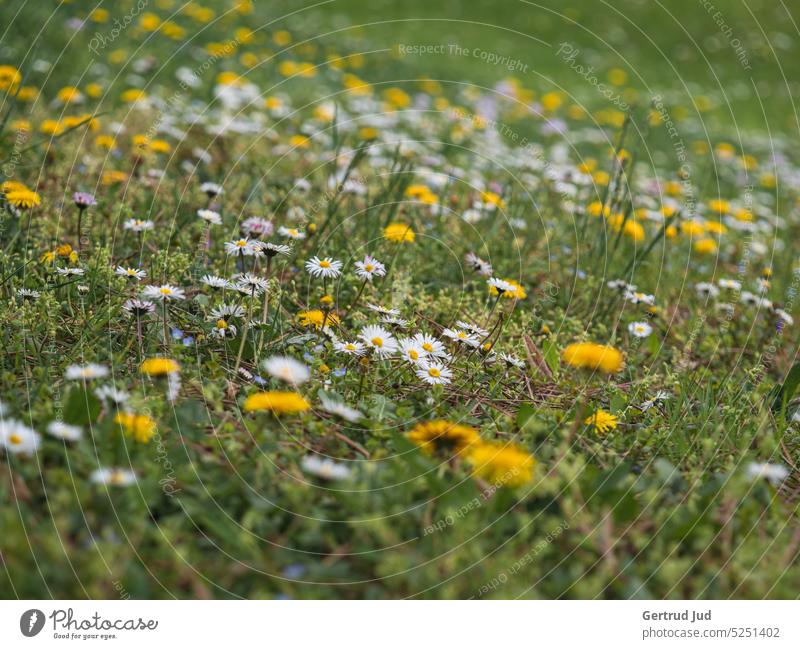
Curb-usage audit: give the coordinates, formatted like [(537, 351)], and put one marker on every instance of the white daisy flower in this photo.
[(70, 271), (138, 308), (211, 189), (138, 225), (112, 394), (730, 284), (326, 267), (472, 328), (379, 340), (369, 268), (377, 308), (636, 297), (291, 233), (433, 346), (243, 247), (255, 226), (461, 336), (28, 294), (324, 468), (640, 329), (340, 409), (85, 372), (354, 348), (501, 285), (706, 289), (225, 311), (478, 265), (163, 293), (213, 281), (130, 273), (250, 284), (210, 216), (115, 477), (286, 369), (17, 438), (411, 350), (64, 431), (273, 249), (434, 372), (223, 329), (774, 473), (620, 285), (512, 361)]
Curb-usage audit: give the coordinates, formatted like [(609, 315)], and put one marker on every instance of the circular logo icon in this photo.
[(31, 622)]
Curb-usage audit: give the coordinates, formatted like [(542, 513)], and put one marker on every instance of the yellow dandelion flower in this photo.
[(159, 366), (502, 465), (315, 318), (399, 233), (705, 246), (9, 77), (140, 427), (23, 198), (591, 356), (278, 403), (602, 421), (442, 435)]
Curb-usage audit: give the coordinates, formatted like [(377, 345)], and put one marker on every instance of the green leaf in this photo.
[(783, 394), (82, 407)]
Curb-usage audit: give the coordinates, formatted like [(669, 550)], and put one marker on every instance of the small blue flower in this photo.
[(259, 380), (308, 357), (188, 340), (339, 371), (177, 334), (294, 571)]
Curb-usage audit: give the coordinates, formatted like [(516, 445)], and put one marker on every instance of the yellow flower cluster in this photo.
[(498, 463), (591, 356), (278, 403), (140, 427)]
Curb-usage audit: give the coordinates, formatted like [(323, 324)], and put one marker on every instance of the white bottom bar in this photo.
[(401, 625)]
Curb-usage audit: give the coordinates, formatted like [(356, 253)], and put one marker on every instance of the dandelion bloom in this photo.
[(591, 356), (159, 366), (399, 233), (502, 465), (440, 435), (315, 318), (23, 198), (602, 421), (140, 427), (278, 403)]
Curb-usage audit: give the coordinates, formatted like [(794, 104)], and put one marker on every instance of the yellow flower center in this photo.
[(221, 324), (15, 439), (165, 291), (414, 354), (434, 372), (378, 342), (369, 268), (241, 243), (427, 347), (350, 347), (462, 335), (325, 264)]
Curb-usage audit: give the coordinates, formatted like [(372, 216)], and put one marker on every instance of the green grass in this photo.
[(664, 505)]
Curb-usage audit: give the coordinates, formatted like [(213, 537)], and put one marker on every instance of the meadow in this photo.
[(399, 300)]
